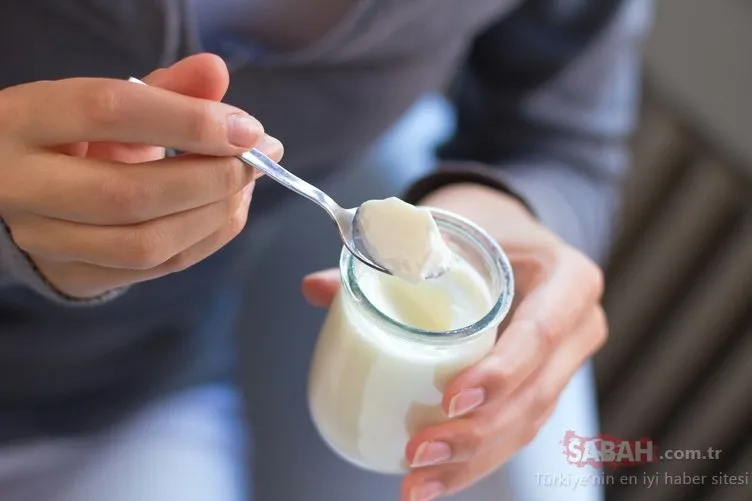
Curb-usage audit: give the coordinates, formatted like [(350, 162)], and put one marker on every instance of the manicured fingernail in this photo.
[(427, 492), (465, 401), (270, 145), (430, 453), (243, 130)]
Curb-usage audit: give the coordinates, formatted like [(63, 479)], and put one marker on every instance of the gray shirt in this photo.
[(545, 93)]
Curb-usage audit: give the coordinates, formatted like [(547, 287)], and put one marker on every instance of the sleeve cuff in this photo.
[(18, 267), (464, 172), (579, 210)]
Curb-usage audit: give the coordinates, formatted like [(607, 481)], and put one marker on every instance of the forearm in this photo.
[(504, 217)]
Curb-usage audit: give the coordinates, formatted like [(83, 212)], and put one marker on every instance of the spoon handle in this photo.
[(289, 180)]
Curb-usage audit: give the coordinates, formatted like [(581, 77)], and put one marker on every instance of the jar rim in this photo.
[(469, 232)]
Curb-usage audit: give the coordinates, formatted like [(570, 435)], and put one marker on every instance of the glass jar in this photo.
[(375, 380)]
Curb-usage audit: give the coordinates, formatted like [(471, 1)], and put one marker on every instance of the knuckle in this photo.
[(143, 250), (180, 262), (542, 400), (501, 375), (127, 198), (591, 275), (230, 176), (601, 328), (491, 426), (473, 442), (200, 126), (547, 335), (237, 223), (501, 417), (598, 280), (593, 278), (103, 103)]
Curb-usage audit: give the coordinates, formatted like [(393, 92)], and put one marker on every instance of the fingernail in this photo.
[(465, 401), (243, 130), (430, 453), (427, 492), (270, 145)]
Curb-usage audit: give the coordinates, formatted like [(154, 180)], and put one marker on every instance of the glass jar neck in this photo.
[(469, 242)]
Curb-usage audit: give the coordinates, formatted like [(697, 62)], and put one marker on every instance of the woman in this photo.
[(121, 269)]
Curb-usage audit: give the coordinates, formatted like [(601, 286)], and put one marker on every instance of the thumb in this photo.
[(320, 288)]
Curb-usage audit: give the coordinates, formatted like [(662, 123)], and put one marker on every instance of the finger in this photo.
[(515, 422), (472, 435), (543, 392), (476, 450), (466, 450), (136, 247), (320, 288), (98, 192), (455, 441), (105, 110), (482, 443), (82, 280), (427, 484), (538, 326), (202, 76)]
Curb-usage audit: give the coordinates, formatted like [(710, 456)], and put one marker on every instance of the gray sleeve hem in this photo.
[(463, 172), (579, 208), (18, 268)]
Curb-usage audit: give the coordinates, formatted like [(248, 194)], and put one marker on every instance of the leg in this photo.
[(190, 447), (534, 471)]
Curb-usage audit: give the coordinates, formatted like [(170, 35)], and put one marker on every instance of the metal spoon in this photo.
[(346, 219)]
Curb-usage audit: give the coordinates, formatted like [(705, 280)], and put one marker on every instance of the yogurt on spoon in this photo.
[(404, 239)]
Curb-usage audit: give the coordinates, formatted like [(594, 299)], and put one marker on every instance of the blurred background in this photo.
[(679, 281), (676, 368)]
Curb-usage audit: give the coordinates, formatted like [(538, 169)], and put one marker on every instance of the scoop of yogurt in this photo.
[(403, 238)]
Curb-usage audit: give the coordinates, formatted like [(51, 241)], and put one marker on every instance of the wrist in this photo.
[(502, 215)]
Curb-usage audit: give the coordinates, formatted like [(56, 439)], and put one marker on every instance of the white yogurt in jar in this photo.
[(375, 380)]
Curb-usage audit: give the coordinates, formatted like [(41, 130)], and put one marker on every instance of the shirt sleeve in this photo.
[(18, 269), (545, 103)]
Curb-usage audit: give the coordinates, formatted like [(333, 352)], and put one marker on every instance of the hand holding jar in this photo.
[(497, 406)]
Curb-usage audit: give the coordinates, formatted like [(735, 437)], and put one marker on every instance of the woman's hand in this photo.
[(499, 405), (94, 205)]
